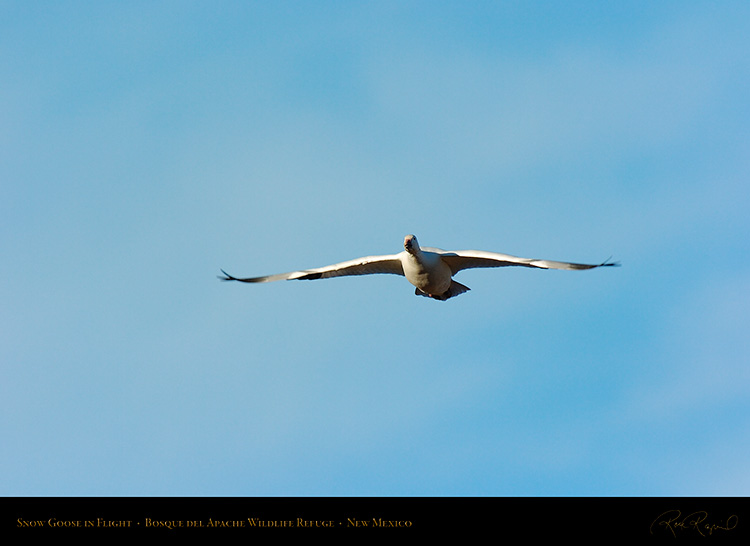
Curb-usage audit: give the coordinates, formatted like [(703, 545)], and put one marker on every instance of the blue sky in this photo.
[(146, 145)]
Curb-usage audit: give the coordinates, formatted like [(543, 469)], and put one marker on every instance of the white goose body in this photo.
[(425, 270)]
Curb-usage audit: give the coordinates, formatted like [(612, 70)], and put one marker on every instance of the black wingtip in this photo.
[(609, 263), (226, 277)]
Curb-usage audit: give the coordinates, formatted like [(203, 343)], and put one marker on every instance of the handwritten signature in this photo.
[(674, 521)]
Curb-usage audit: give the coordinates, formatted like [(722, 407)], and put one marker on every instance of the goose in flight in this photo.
[(430, 270)]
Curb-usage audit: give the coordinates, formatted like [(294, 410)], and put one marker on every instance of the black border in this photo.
[(555, 518)]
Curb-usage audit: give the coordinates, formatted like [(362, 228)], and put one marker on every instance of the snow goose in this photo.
[(430, 270)]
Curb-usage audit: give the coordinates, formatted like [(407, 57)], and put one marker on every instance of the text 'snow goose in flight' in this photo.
[(430, 270)]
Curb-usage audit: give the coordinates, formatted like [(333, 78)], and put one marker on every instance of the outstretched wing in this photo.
[(369, 265), (468, 259)]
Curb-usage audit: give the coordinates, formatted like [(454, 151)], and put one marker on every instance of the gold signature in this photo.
[(674, 521)]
